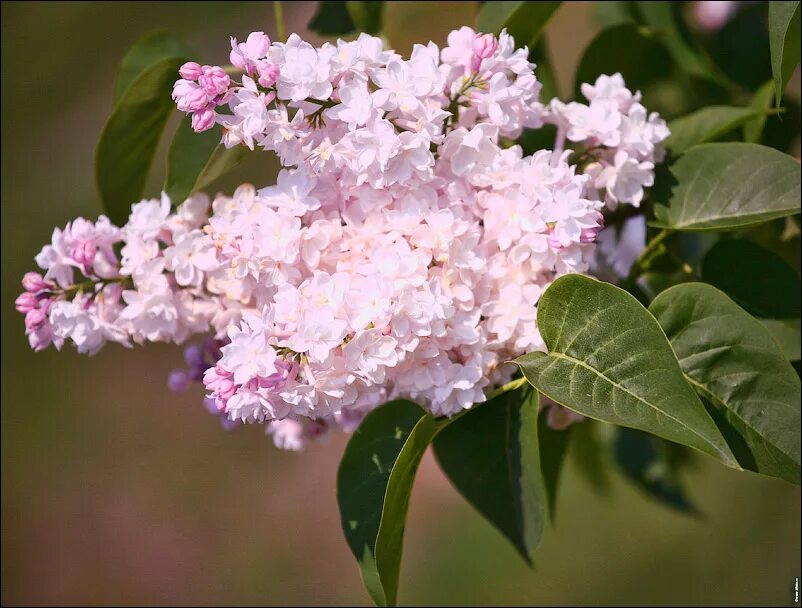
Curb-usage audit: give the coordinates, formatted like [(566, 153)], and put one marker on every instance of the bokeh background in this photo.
[(115, 491)]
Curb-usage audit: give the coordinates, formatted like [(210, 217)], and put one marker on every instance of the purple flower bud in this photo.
[(178, 381), (190, 71), (193, 355)]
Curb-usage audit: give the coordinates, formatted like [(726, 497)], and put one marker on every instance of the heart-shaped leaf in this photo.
[(724, 186), (197, 159), (729, 357), (608, 359), (491, 456), (128, 142), (784, 40)]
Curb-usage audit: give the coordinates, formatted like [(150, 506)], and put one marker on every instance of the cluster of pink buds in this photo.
[(199, 91)]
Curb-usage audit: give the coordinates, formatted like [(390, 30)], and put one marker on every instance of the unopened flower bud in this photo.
[(26, 302), (190, 71), (33, 282)]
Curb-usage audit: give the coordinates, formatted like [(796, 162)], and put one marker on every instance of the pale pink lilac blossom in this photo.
[(401, 252)]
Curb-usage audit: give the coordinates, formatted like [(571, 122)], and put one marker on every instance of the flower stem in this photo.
[(279, 14), (639, 266)]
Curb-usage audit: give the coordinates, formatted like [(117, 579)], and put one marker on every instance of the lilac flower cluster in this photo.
[(401, 252)]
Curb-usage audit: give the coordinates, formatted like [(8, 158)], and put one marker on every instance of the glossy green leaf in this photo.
[(151, 48), (491, 456), (757, 279), (730, 358), (761, 102), (332, 18), (707, 124), (367, 16), (524, 20), (663, 16), (128, 142), (608, 359), (787, 335), (784, 40), (634, 51), (374, 483), (653, 465), (723, 186), (197, 159)]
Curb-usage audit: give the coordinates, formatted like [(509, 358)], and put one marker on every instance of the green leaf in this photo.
[(608, 359), (723, 186), (196, 159), (707, 124), (491, 456), (129, 139), (729, 357), (757, 279), (784, 40), (761, 101), (633, 51), (662, 16), (786, 335), (332, 18), (553, 448), (374, 483), (524, 20), (367, 16), (589, 454), (151, 48), (653, 465), (614, 12)]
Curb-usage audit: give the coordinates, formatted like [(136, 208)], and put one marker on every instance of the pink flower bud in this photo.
[(204, 120), (84, 253), (33, 282), (35, 319), (194, 101), (26, 302), (484, 45), (190, 71), (588, 235), (214, 81), (268, 73)]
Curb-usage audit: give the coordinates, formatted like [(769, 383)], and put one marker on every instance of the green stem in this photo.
[(638, 267), (279, 14), (510, 386)]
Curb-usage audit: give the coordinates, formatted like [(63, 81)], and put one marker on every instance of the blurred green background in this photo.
[(115, 491)]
